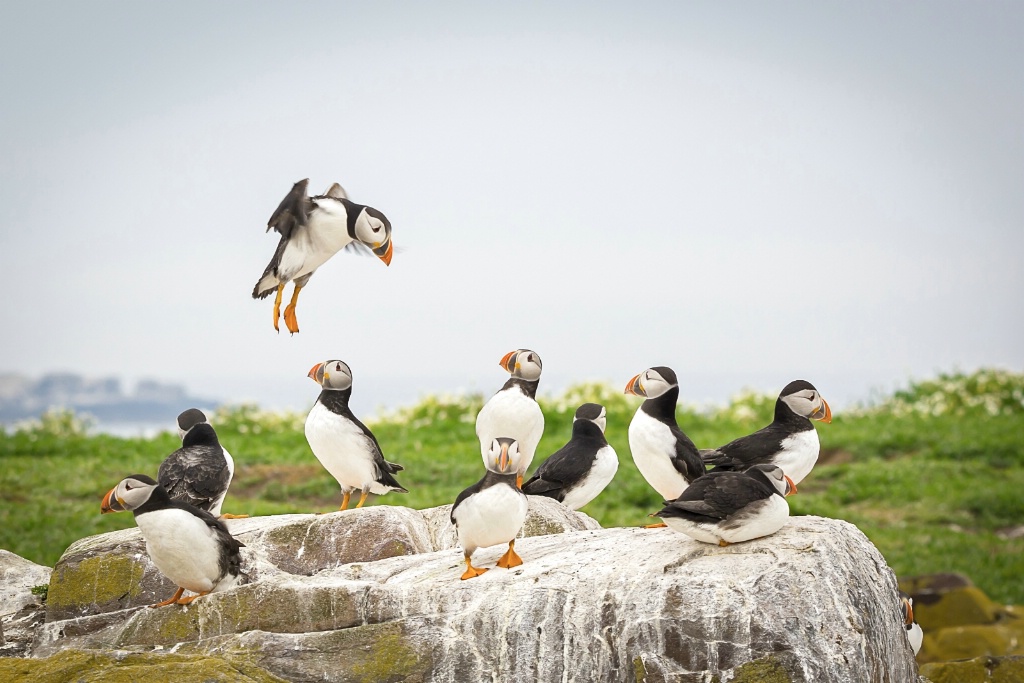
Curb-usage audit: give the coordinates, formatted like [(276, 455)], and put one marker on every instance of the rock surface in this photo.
[(18, 577), (374, 595)]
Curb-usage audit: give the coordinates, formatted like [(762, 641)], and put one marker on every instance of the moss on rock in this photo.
[(958, 607), (390, 659), (767, 670), (979, 670), (95, 580), (84, 666)]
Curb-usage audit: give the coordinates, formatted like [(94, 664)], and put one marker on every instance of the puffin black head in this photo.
[(594, 412), (503, 456), (652, 382), (332, 375), (774, 475), (803, 399), (522, 364), (130, 494), (373, 229)]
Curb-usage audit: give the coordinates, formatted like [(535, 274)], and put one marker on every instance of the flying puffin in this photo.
[(731, 507), (665, 456), (343, 444), (312, 230), (513, 412), (914, 633), (493, 510), (188, 545), (790, 441), (199, 472), (577, 472)]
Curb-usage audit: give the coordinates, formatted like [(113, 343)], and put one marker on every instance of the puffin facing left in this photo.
[(344, 445), (313, 229), (199, 472), (493, 510), (189, 546)]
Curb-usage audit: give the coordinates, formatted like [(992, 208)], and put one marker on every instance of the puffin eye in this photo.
[(127, 487), (376, 228), (337, 368)]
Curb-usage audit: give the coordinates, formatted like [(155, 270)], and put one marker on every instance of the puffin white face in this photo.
[(652, 382), (374, 230), (522, 364), (332, 374), (130, 493), (503, 456), (601, 420), (782, 483), (807, 402)]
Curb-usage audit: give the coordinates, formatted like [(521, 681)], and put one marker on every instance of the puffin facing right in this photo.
[(577, 472), (493, 510), (188, 545), (513, 411)]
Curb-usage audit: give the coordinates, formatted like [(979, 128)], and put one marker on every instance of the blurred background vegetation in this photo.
[(933, 474)]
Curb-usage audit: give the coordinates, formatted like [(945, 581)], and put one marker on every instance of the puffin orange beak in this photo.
[(105, 505), (910, 613), (506, 361), (386, 256), (313, 372), (503, 459), (633, 387), (792, 486), (824, 413)]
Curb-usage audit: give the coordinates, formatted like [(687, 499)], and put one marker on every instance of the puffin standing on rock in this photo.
[(731, 507), (493, 510), (665, 456), (577, 472), (188, 545), (513, 412), (790, 441), (344, 445), (313, 229), (199, 473)]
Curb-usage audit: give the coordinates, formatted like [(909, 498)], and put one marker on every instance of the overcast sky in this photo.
[(747, 192)]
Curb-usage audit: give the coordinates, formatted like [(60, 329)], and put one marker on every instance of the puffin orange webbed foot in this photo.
[(170, 600), (510, 558)]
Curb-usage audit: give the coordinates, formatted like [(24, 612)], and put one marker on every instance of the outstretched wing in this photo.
[(293, 211)]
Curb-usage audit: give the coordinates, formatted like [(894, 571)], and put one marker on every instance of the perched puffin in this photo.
[(513, 412), (665, 456), (189, 546), (914, 633), (343, 444), (731, 507), (493, 510), (312, 230), (577, 472), (199, 472), (790, 441)]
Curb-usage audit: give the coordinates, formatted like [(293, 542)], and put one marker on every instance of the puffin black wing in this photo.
[(570, 463), (747, 451), (230, 558), (686, 459), (475, 488), (384, 468), (716, 496), (293, 211), (196, 475)]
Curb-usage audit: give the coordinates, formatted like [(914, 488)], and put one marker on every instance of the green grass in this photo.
[(931, 486)]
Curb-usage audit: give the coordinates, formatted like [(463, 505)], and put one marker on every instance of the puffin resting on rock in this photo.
[(189, 546)]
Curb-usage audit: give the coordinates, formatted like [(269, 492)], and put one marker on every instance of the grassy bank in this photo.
[(933, 475)]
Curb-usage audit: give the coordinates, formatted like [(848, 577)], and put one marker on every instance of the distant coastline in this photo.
[(151, 402)]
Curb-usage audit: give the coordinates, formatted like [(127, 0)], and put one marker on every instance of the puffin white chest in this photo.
[(342, 448), (652, 445), (311, 246), (606, 464), (182, 547), (511, 413), (490, 516), (760, 518), (799, 453)]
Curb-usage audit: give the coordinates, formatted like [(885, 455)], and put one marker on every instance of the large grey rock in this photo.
[(18, 577), (815, 601)]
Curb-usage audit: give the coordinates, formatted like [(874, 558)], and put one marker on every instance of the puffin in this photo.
[(513, 412), (344, 445), (493, 510), (577, 472), (790, 441), (188, 545), (665, 456), (731, 507), (914, 633), (312, 230), (199, 473)]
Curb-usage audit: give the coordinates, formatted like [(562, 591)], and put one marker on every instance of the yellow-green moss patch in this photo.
[(390, 659), (95, 580), (767, 670)]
